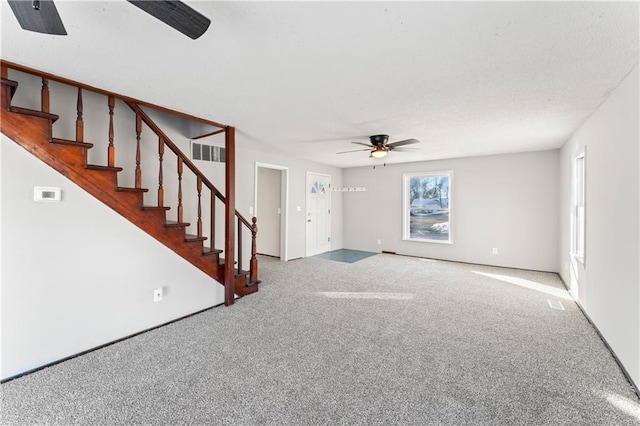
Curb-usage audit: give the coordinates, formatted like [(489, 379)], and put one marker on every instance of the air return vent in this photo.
[(204, 152)]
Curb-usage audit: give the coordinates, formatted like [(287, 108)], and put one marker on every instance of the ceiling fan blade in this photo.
[(404, 142), (177, 15), (403, 149), (364, 144), (38, 16), (355, 150)]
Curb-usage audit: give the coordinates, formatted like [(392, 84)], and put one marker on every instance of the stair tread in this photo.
[(71, 143), (151, 208), (175, 224), (207, 251), (105, 168), (193, 238), (127, 189), (34, 113)]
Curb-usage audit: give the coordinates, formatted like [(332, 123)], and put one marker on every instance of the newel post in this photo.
[(253, 263), (229, 214)]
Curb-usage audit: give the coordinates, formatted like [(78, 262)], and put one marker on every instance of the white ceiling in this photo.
[(307, 78)]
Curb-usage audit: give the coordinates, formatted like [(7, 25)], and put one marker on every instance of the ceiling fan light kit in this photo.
[(379, 153)]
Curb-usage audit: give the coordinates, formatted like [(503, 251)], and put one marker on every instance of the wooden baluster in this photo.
[(253, 263), (239, 246), (111, 150), (138, 169), (79, 122), (199, 223), (160, 188), (179, 189), (44, 96), (213, 220)]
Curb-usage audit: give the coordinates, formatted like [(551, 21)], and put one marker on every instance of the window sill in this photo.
[(418, 240)]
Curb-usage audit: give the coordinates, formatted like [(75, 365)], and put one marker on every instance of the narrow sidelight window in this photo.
[(579, 204)]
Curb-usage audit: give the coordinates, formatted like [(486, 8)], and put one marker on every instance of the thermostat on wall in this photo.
[(41, 193)]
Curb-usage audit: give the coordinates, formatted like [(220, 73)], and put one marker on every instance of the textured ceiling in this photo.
[(306, 78)]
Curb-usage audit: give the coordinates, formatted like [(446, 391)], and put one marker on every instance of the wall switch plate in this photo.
[(379, 242), (157, 294), (298, 208), (250, 210), (494, 251)]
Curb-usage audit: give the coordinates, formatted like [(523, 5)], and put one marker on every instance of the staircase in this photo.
[(33, 130)]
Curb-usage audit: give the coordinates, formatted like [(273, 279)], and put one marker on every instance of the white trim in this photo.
[(405, 206), (284, 225)]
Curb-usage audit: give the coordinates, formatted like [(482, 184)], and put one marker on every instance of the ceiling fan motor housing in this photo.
[(378, 140)]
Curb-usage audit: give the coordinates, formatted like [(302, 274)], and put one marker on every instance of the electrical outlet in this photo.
[(157, 294), (494, 251), (379, 242)]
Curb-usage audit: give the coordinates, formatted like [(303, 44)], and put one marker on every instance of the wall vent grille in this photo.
[(204, 152)]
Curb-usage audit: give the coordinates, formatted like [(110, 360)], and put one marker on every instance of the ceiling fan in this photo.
[(42, 16), (379, 147)]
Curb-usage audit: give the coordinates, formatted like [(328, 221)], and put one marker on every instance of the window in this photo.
[(318, 188), (427, 206), (579, 198)]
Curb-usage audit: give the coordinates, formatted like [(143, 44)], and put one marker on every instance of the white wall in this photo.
[(608, 285), (75, 274), (508, 202)]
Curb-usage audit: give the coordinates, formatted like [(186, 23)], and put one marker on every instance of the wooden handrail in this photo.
[(54, 77), (201, 179), (183, 160), (156, 129)]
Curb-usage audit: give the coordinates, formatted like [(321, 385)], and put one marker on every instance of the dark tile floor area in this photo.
[(345, 255)]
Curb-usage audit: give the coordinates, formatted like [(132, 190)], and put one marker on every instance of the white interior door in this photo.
[(318, 213)]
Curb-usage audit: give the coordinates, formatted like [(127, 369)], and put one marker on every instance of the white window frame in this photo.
[(406, 206), (578, 207)]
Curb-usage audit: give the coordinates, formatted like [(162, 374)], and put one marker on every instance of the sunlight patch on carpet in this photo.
[(365, 295), (532, 285), (627, 406)]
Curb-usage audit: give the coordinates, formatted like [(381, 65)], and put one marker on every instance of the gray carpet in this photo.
[(387, 340)]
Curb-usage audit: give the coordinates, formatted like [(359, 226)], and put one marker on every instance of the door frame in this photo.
[(284, 203), (306, 188)]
